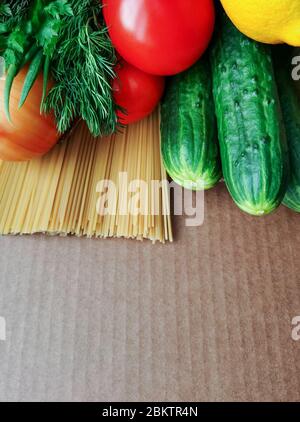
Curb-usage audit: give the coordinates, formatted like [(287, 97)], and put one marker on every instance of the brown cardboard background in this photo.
[(205, 318)]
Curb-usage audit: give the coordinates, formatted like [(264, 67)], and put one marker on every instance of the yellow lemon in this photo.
[(268, 21)]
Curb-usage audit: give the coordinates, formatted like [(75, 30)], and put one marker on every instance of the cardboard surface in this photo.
[(206, 318)]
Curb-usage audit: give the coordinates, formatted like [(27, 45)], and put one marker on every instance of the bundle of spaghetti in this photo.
[(84, 187)]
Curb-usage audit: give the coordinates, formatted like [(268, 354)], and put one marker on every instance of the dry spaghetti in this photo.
[(61, 193)]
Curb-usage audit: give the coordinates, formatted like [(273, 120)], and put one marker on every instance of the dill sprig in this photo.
[(13, 9), (82, 67)]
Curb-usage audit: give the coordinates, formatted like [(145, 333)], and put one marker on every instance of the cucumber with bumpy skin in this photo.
[(290, 103), (251, 133), (188, 129)]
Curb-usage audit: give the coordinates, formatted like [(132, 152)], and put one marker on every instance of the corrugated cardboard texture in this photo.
[(205, 318)]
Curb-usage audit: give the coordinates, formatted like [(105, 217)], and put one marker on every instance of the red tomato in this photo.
[(136, 92), (30, 134), (161, 37)]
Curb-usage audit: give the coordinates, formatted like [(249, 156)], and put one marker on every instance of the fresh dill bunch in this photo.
[(19, 7), (82, 67)]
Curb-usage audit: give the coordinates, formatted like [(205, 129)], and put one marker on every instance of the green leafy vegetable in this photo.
[(68, 40), (83, 69), (38, 27)]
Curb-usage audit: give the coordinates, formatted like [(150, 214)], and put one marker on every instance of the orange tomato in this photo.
[(30, 134)]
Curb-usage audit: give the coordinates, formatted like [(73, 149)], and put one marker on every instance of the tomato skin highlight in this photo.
[(160, 37), (30, 134), (136, 92)]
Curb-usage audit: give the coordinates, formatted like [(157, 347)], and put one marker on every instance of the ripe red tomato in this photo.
[(161, 37), (136, 92)]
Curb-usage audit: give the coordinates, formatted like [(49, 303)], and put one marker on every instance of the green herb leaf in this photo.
[(59, 8), (17, 41), (48, 35)]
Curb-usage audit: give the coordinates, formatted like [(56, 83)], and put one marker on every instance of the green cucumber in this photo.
[(252, 138), (290, 104), (188, 129)]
